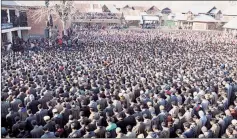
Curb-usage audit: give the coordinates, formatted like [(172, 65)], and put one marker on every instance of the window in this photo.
[(4, 37), (4, 16)]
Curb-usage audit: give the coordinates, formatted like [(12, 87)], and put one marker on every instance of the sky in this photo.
[(175, 6)]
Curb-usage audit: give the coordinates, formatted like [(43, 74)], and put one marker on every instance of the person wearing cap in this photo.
[(38, 131), (50, 124), (40, 115), (119, 133)]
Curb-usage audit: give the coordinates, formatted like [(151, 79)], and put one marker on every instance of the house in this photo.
[(127, 7), (110, 8), (132, 17), (10, 26), (166, 11), (181, 21), (229, 13), (204, 22), (191, 12), (139, 8), (231, 25), (199, 9), (154, 11), (216, 13), (150, 19)]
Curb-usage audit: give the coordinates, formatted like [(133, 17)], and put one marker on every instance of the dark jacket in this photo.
[(33, 105), (29, 126), (100, 132), (40, 116), (37, 132)]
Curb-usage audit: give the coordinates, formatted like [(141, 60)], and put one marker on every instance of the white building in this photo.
[(11, 27), (231, 26)]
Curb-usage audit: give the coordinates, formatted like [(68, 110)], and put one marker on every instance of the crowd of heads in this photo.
[(95, 15), (124, 83)]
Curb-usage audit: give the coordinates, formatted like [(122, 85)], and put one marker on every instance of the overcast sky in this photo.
[(174, 5)]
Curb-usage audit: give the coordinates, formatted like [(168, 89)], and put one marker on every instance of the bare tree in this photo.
[(63, 10)]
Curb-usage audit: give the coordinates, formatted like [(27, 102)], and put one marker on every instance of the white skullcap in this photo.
[(46, 118), (234, 122), (55, 110)]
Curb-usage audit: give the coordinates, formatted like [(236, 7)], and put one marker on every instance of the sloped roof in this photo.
[(232, 24), (230, 10), (11, 3), (112, 8), (197, 9), (215, 11), (130, 17), (139, 8), (179, 17), (127, 7), (82, 7), (143, 13), (153, 10), (151, 18), (204, 18), (166, 10), (131, 12)]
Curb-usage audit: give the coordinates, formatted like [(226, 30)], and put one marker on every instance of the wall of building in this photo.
[(25, 34), (199, 26), (227, 18)]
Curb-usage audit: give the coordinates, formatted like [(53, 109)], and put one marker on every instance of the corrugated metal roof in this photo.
[(232, 10), (140, 8), (112, 8), (143, 13), (151, 18), (197, 9), (179, 17), (11, 3), (83, 7), (204, 18), (232, 24), (130, 17), (215, 11), (131, 12)]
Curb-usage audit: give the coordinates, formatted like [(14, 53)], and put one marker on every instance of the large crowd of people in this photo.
[(123, 84), (97, 15)]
